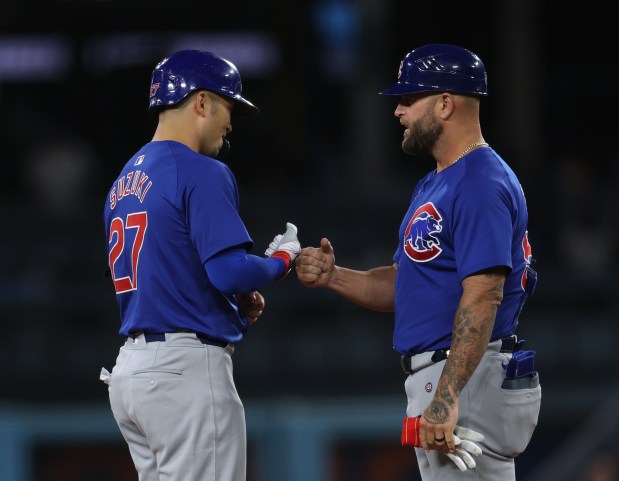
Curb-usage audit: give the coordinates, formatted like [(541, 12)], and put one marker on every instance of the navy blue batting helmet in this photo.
[(440, 68), (185, 71)]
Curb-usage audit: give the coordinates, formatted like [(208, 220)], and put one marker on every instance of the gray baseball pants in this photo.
[(177, 408), (506, 417)]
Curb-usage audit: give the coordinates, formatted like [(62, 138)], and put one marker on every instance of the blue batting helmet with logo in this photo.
[(185, 71), (440, 68)]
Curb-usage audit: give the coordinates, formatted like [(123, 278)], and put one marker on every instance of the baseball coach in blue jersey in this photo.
[(185, 282), (460, 275)]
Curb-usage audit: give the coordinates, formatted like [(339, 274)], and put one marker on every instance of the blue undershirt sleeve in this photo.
[(235, 271)]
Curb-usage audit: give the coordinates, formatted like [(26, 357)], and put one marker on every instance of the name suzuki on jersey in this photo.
[(132, 183)]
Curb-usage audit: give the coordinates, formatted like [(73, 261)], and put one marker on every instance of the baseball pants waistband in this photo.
[(411, 363), (160, 337)]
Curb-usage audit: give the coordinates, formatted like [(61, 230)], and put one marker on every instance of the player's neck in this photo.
[(172, 132)]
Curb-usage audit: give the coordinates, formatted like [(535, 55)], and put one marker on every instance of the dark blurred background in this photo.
[(325, 154)]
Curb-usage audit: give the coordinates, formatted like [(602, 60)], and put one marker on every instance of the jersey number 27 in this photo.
[(139, 221)]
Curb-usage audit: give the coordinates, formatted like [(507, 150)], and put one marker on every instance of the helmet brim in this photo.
[(243, 107), (404, 89)]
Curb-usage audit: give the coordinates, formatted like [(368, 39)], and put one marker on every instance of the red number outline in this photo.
[(136, 220), (528, 255)]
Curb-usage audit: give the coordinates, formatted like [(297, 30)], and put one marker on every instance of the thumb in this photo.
[(325, 246)]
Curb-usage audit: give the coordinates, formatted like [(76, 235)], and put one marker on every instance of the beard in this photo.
[(422, 135)]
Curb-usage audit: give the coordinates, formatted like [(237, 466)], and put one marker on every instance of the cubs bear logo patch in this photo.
[(420, 241)]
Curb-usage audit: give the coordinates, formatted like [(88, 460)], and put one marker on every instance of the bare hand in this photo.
[(438, 422), (315, 266), (250, 305), (465, 440)]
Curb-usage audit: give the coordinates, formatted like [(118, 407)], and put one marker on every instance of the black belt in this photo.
[(159, 337), (508, 344)]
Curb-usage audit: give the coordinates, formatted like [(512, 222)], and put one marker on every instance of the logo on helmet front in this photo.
[(420, 242), (153, 89), (400, 69)]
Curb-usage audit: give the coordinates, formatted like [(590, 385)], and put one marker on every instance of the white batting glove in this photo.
[(273, 245), (465, 447), (285, 246)]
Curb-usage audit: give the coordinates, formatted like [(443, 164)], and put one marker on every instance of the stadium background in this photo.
[(325, 154)]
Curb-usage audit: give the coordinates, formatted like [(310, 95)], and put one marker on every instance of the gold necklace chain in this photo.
[(468, 149)]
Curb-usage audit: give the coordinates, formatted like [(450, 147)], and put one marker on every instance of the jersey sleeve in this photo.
[(212, 210), (482, 226)]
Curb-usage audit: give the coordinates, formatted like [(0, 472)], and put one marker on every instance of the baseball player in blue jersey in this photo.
[(461, 273), (185, 282)]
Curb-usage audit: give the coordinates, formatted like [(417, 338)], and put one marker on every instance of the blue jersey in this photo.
[(170, 211), (468, 217)]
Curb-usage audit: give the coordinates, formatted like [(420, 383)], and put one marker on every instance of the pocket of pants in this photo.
[(519, 416), (157, 373), (530, 381)]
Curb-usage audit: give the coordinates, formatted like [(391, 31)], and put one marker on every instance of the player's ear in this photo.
[(446, 105), (200, 102)]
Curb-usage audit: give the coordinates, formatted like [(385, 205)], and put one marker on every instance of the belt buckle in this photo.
[(440, 355)]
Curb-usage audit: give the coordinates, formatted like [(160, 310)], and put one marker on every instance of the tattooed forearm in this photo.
[(445, 394), (469, 341), (473, 324), (472, 330)]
